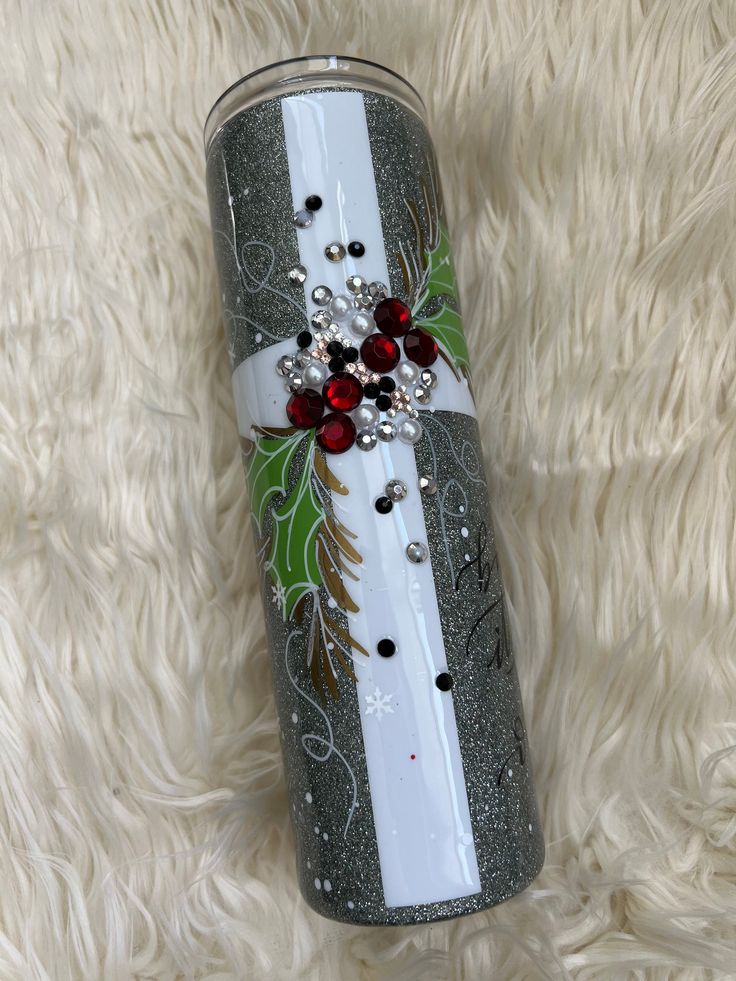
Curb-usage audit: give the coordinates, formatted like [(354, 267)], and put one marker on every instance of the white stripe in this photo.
[(420, 806)]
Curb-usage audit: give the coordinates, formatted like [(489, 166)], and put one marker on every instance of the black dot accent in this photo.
[(356, 249), (383, 402), (304, 338), (383, 505), (444, 681), (313, 202), (350, 354), (371, 390), (336, 365), (334, 348), (387, 384), (386, 647)]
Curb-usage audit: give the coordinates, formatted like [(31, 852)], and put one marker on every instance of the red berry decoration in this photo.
[(342, 391), (392, 317), (380, 353), (336, 433), (420, 347), (305, 409)]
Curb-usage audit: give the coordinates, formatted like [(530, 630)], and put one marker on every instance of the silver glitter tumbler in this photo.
[(402, 729)]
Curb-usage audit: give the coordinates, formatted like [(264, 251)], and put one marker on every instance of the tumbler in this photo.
[(402, 731)]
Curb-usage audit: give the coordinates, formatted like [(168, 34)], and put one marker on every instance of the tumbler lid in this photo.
[(308, 72)]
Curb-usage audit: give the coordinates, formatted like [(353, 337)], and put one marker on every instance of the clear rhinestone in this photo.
[(355, 284), (297, 274), (303, 358), (362, 324), (410, 431), (422, 395), (366, 440), (303, 218), (321, 319), (386, 431), (335, 251), (396, 490), (417, 552), (378, 291), (321, 295), (285, 364), (294, 382), (428, 379), (407, 372), (428, 485), (364, 301)]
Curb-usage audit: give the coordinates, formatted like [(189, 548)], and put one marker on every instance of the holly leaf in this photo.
[(439, 273), (292, 562), (268, 472), (446, 327)]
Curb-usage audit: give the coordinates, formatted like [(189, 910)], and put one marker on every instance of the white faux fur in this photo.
[(589, 164)]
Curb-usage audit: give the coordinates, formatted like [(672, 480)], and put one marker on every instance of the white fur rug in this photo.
[(589, 158)]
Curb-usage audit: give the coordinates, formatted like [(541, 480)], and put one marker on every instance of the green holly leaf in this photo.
[(293, 561), (446, 327), (268, 472), (439, 276)]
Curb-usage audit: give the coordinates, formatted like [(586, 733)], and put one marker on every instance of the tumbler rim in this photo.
[(322, 71)]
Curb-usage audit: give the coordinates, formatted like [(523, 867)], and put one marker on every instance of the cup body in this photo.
[(402, 729)]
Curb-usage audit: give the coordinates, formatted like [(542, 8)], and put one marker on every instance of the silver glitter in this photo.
[(335, 251), (303, 218), (427, 485), (355, 284), (321, 295), (422, 395), (298, 274), (366, 440), (396, 489), (285, 364), (428, 378), (386, 431), (417, 552)]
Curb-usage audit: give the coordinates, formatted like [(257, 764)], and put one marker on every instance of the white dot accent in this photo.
[(309, 864), (466, 839), (316, 829), (351, 904), (317, 884), (530, 827), (511, 772), (467, 557), (325, 835), (464, 532), (294, 717), (332, 603), (259, 337), (461, 509), (328, 885), (308, 797)]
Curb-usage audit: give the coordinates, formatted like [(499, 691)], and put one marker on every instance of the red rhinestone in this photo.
[(392, 317), (380, 353), (336, 432), (342, 391), (305, 409), (420, 347)]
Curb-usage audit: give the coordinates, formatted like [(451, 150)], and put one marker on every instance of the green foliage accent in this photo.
[(268, 473), (439, 277), (447, 328), (292, 561)]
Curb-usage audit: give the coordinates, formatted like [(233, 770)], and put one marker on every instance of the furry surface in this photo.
[(588, 156)]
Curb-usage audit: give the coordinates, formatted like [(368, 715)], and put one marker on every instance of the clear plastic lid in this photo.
[(309, 72)]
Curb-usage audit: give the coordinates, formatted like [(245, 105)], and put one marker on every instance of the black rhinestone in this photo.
[(356, 249), (443, 681), (350, 354), (371, 390), (383, 505), (383, 402), (386, 647), (387, 384), (304, 338), (334, 348), (313, 202), (336, 365)]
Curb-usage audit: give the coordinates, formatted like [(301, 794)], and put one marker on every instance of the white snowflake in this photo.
[(278, 595), (378, 704)]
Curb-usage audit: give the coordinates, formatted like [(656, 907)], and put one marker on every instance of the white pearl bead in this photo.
[(407, 372), (365, 416), (340, 306), (315, 373), (410, 431), (362, 324)]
